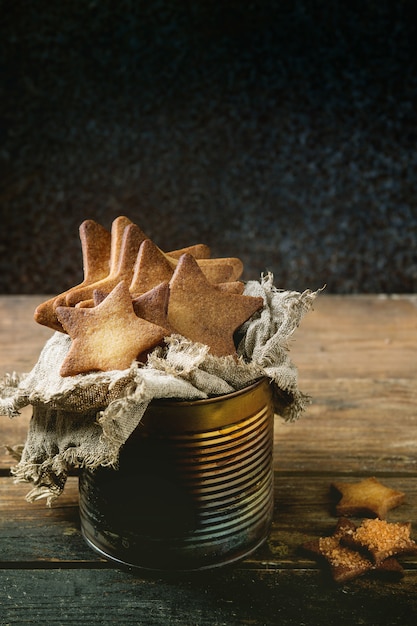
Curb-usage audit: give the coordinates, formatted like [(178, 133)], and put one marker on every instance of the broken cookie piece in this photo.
[(367, 498), (344, 563)]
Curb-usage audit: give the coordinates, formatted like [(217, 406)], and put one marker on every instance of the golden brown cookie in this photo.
[(118, 228), (95, 246), (124, 254), (106, 337), (368, 498), (379, 539), (85, 303), (153, 306), (234, 287), (211, 268), (202, 313), (346, 563), (150, 269), (217, 270), (114, 247), (198, 251)]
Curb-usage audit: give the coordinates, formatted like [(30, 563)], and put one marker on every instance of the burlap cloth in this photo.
[(82, 421)]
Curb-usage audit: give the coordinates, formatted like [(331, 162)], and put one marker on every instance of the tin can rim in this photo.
[(160, 402), (174, 415)]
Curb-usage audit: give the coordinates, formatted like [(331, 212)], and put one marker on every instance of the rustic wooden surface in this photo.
[(357, 359)]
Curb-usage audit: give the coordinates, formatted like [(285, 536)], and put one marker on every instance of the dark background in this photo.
[(282, 132)]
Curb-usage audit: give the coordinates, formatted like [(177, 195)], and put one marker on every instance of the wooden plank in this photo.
[(355, 336), (352, 425), (21, 338), (33, 532), (342, 336), (46, 569), (233, 598), (303, 510)]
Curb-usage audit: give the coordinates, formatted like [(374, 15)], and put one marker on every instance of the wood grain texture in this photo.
[(21, 338), (352, 425), (225, 598), (358, 336), (357, 359), (304, 508), (343, 336)]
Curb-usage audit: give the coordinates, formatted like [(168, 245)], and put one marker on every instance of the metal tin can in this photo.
[(194, 487)]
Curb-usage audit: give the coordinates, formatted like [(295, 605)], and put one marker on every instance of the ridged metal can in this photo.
[(194, 487)]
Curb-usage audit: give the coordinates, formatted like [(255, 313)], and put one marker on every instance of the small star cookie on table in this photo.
[(367, 498), (346, 563), (379, 539)]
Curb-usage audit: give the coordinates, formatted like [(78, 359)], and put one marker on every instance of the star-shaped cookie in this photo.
[(203, 313), (108, 336), (368, 498), (153, 306), (346, 563), (197, 250), (95, 246), (217, 270), (124, 256), (151, 269), (379, 539)]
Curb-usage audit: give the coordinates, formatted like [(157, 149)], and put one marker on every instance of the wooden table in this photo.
[(357, 358)]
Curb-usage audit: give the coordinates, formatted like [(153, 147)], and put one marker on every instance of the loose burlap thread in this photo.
[(84, 420)]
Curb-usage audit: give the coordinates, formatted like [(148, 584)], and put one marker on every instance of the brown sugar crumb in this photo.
[(379, 539)]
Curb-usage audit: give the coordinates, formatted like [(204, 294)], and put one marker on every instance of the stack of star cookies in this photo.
[(133, 295)]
